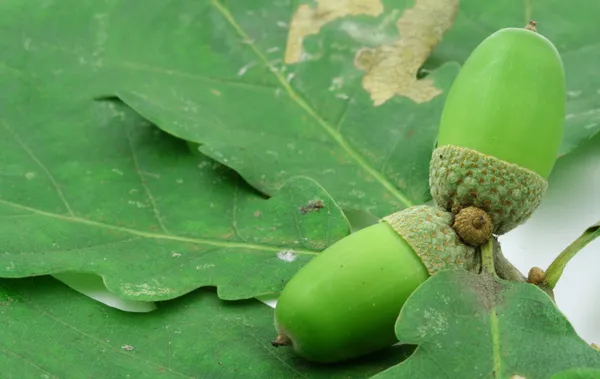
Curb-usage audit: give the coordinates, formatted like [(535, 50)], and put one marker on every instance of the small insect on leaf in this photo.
[(312, 206)]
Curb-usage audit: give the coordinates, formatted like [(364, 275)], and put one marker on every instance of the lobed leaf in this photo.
[(474, 326), (257, 90), (92, 187), (194, 336)]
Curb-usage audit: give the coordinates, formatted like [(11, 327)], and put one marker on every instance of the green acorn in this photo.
[(345, 302), (501, 128)]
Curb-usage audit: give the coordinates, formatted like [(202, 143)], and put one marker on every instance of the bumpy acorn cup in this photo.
[(345, 302), (501, 128)]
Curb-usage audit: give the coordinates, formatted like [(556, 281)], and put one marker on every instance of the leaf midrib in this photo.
[(495, 332), (329, 129), (140, 233)]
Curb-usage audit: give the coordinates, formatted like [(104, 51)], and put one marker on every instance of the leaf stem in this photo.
[(556, 268), (487, 257)]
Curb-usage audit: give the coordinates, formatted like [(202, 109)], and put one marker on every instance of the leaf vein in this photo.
[(495, 332), (93, 338), (41, 165), (389, 155), (338, 124), (328, 128), (234, 223), (205, 241), (270, 351), (5, 350), (135, 66), (136, 164)]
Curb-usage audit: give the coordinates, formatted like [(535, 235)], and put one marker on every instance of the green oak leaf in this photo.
[(269, 119), (195, 336), (215, 73), (280, 89), (91, 187), (92, 285), (572, 26), (578, 373), (475, 326)]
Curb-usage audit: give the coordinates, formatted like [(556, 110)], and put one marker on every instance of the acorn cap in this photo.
[(427, 229), (460, 177)]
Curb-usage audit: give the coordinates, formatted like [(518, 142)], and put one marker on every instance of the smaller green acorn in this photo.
[(501, 128), (345, 302)]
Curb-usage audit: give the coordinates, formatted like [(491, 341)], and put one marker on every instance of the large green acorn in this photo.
[(501, 128), (345, 302)]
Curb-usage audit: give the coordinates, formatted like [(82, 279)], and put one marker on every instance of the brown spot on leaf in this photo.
[(391, 70), (257, 213)]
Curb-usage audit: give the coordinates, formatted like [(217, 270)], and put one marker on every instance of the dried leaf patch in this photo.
[(392, 69), (308, 20)]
